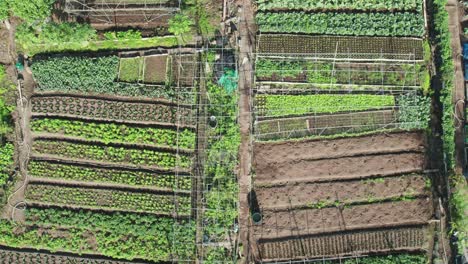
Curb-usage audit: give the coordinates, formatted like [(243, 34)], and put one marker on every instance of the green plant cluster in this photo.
[(117, 235), (284, 105), (414, 111), (53, 34), (76, 73), (137, 157), (107, 198), (403, 5), (44, 169), (447, 73), (131, 69), (122, 35), (30, 11), (358, 24), (6, 162), (117, 133), (459, 202), (221, 200), (152, 237), (7, 103)]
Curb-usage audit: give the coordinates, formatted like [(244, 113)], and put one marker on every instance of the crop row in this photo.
[(359, 24), (43, 169), (111, 132), (19, 257), (137, 157), (284, 105), (95, 75), (380, 47), (404, 5), (330, 73), (114, 110), (152, 238), (110, 199)]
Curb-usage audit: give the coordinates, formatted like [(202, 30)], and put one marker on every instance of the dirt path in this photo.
[(247, 32), (455, 14)]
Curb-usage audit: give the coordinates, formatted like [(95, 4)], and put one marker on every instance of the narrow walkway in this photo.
[(453, 8), (247, 32)]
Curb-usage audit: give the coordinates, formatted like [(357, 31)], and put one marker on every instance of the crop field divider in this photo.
[(102, 185), (73, 139), (60, 159)]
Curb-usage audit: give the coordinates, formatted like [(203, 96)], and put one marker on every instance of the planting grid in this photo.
[(339, 158)]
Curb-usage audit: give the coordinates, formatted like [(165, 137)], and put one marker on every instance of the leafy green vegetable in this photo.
[(359, 24), (283, 105)]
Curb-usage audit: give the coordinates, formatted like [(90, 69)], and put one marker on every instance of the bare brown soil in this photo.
[(184, 70), (340, 168), (326, 220), (155, 69), (374, 241), (294, 195), (271, 152), (308, 189)]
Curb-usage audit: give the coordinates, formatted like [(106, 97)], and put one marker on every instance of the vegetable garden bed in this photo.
[(89, 198), (351, 24), (112, 110), (119, 155), (294, 105), (370, 47), (319, 72), (346, 5), (54, 170), (117, 133)]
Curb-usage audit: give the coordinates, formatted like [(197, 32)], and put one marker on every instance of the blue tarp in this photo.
[(465, 51)]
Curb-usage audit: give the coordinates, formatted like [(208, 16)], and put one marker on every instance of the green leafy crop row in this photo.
[(359, 24), (44, 169), (111, 132), (124, 235), (112, 154), (106, 198), (406, 5), (283, 105)]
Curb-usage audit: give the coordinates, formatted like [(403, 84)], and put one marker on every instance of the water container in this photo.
[(465, 51)]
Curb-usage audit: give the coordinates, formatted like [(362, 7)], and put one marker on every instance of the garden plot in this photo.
[(340, 47), (147, 69), (295, 115), (118, 154), (184, 70), (347, 190), (113, 109), (329, 74)]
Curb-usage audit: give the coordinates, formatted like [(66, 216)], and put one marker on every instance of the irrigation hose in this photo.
[(456, 114)]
